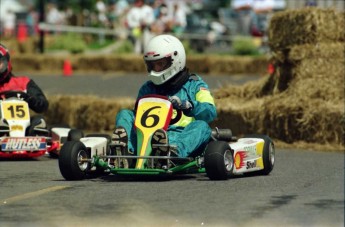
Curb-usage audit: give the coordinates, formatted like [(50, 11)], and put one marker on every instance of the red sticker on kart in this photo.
[(23, 144), (239, 159)]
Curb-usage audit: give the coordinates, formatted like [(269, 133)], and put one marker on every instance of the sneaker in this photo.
[(159, 143), (120, 139), (120, 136), (173, 151)]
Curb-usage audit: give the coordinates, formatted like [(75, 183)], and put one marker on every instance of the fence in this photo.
[(337, 4)]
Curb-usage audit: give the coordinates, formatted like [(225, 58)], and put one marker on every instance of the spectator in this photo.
[(122, 7), (179, 19), (112, 16), (102, 13), (139, 19), (54, 16), (261, 14), (32, 21), (310, 3), (161, 23), (243, 12), (157, 4), (217, 29), (70, 16), (9, 22)]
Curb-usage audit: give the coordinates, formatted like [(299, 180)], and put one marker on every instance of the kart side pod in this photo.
[(250, 154), (97, 145)]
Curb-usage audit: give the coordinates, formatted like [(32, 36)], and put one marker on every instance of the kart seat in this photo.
[(38, 127)]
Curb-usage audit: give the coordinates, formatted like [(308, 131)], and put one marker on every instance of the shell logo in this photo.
[(239, 157)]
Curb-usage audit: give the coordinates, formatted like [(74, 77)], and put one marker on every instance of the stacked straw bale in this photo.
[(89, 113), (303, 100)]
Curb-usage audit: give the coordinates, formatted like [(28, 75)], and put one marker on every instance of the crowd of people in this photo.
[(139, 20)]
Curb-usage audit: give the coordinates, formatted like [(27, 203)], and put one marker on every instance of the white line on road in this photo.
[(32, 194)]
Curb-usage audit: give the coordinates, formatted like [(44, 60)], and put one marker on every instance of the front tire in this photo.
[(219, 160), (72, 160)]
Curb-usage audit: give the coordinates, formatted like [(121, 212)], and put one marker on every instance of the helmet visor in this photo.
[(159, 65), (3, 64)]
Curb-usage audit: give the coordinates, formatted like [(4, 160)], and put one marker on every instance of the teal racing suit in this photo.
[(192, 132)]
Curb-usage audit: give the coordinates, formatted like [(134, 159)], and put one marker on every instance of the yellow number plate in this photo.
[(15, 111), (152, 113)]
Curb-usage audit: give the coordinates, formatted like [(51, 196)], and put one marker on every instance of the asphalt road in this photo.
[(305, 188), (116, 84)]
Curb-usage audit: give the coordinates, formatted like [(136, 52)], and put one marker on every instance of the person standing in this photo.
[(243, 11), (139, 20), (9, 22)]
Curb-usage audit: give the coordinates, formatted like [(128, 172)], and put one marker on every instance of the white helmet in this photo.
[(165, 57)]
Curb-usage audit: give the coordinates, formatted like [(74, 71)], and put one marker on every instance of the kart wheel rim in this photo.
[(271, 154), (228, 160), (81, 160)]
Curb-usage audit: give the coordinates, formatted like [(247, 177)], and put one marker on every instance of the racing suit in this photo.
[(36, 99), (192, 132)]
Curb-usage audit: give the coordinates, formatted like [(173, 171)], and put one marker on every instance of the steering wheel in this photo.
[(13, 94), (176, 118)]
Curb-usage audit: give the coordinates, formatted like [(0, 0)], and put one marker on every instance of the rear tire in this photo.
[(219, 160), (70, 163), (268, 154), (75, 135)]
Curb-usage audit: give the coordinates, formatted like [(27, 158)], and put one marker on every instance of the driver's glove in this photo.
[(179, 104)]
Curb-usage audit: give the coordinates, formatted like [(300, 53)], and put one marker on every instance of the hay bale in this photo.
[(126, 63), (305, 26), (53, 64), (132, 63), (237, 65), (302, 101), (318, 50), (310, 120), (250, 90), (25, 63), (289, 119), (30, 63), (198, 64), (242, 116), (85, 112), (314, 75), (334, 50), (87, 63)]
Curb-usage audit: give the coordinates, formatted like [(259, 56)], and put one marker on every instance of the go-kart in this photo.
[(25, 136), (224, 156)]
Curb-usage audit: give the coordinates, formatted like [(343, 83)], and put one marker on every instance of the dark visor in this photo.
[(159, 65)]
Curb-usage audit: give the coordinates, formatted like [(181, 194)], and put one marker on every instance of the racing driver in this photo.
[(9, 82), (165, 59)]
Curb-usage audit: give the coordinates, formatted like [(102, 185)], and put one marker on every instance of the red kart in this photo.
[(23, 136)]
